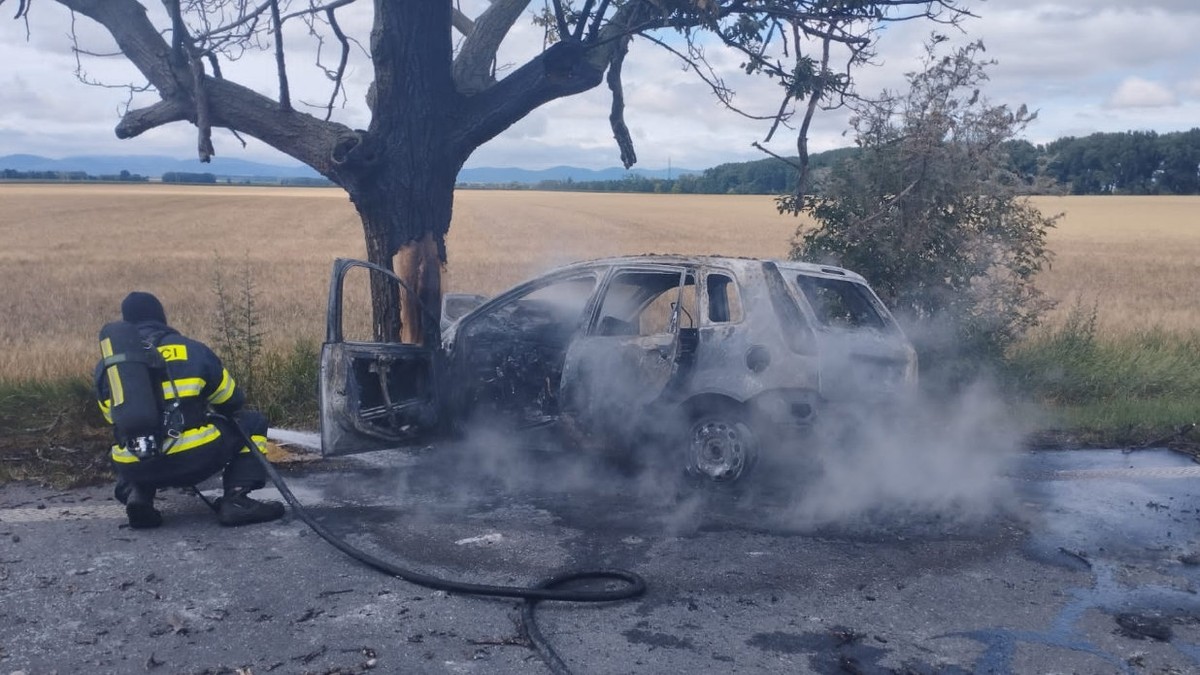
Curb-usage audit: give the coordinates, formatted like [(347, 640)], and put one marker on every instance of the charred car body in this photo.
[(700, 360)]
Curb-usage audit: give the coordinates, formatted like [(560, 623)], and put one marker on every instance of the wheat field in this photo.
[(69, 253)]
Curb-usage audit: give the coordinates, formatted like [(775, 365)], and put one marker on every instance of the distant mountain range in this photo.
[(223, 167)]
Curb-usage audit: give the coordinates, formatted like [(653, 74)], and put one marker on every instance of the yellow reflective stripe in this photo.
[(259, 441), (106, 348), (106, 410), (224, 391), (186, 386), (114, 386), (188, 440), (193, 438)]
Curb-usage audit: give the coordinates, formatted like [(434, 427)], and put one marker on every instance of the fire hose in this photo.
[(550, 588)]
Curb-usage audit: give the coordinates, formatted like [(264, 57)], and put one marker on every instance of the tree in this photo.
[(1181, 163), (433, 100), (930, 211)]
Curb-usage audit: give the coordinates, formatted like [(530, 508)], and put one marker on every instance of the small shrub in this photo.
[(281, 383), (287, 391), (239, 340)]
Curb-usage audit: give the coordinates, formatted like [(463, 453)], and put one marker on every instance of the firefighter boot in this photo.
[(139, 508), (237, 508)]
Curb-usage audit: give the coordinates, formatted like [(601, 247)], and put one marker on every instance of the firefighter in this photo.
[(200, 445)]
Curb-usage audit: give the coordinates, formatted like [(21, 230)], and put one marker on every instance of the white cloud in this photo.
[(1134, 92)]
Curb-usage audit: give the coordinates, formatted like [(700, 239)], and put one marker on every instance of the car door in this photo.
[(641, 333), (375, 392)]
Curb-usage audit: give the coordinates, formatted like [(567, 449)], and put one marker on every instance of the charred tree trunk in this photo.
[(405, 215), (400, 172)]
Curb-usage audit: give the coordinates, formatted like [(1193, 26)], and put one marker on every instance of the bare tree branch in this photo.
[(136, 122), (285, 96), (461, 22), (699, 65), (214, 64), (228, 105), (565, 68), (597, 20), (248, 17), (340, 73), (203, 119), (581, 22), (256, 13), (473, 66), (560, 20), (318, 9), (814, 99), (616, 117)]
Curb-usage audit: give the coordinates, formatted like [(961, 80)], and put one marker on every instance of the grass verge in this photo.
[(1120, 391), (52, 432)]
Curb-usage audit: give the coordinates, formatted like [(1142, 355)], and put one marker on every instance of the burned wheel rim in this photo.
[(720, 449)]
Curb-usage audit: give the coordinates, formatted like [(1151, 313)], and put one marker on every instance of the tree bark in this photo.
[(405, 215), (400, 173)]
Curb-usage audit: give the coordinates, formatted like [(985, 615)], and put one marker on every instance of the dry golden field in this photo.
[(69, 253)]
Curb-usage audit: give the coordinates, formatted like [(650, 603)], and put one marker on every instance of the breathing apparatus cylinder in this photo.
[(133, 369)]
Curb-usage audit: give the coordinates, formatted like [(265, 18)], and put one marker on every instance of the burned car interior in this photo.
[(515, 349)]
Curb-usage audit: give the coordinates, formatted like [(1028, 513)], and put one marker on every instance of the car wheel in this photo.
[(721, 447)]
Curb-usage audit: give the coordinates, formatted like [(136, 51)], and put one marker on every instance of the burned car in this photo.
[(701, 360)]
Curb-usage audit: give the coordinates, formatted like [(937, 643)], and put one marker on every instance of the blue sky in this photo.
[(1084, 65)]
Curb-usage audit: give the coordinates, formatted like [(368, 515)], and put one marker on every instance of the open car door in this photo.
[(375, 392)]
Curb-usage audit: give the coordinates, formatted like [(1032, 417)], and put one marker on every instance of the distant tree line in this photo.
[(1127, 163), (188, 177), (211, 179), (1130, 163), (168, 177), (124, 176)]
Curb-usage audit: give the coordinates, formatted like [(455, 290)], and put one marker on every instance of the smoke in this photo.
[(871, 459), (918, 459), (916, 462)]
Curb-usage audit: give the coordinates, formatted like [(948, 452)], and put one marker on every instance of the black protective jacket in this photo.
[(195, 375)]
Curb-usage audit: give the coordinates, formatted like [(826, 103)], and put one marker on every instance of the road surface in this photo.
[(1089, 566)]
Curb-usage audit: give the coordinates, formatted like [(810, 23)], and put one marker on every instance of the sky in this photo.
[(1085, 66)]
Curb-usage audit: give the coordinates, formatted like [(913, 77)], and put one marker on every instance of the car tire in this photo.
[(720, 447)]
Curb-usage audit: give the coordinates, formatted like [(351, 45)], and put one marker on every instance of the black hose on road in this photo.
[(547, 589)]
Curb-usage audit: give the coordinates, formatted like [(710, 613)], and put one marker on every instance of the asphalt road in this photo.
[(1087, 567)]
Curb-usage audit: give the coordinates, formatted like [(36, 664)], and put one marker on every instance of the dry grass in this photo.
[(1137, 259), (69, 253)]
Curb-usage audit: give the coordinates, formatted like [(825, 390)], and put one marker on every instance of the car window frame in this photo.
[(706, 321), (600, 272), (682, 268)]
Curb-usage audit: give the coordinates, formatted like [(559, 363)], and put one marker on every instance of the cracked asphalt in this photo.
[(1092, 568)]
